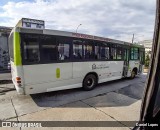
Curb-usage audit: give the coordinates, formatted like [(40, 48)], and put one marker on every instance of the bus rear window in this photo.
[(11, 46), (31, 49)]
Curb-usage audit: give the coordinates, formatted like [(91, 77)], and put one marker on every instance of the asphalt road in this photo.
[(116, 101)]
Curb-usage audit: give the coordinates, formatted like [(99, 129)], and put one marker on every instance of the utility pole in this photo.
[(133, 38)]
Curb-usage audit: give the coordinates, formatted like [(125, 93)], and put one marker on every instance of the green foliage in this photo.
[(147, 60)]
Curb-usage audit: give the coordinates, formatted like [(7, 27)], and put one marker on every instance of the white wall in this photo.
[(3, 48)]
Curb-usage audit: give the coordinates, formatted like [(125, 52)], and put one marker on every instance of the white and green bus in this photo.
[(45, 60)]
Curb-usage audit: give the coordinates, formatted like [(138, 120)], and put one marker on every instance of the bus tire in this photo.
[(89, 82), (133, 74)]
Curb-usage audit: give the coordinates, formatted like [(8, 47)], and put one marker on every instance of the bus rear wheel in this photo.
[(89, 82)]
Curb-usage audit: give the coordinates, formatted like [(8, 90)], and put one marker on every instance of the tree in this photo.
[(147, 60)]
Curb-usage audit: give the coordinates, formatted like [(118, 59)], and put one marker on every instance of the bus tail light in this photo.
[(18, 80)]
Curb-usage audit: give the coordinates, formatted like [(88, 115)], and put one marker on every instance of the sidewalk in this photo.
[(6, 87), (117, 101)]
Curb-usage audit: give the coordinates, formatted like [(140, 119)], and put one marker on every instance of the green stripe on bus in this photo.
[(17, 50)]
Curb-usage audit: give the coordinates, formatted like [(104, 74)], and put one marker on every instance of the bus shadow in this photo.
[(102, 96)]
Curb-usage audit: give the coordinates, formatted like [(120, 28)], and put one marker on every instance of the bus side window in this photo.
[(119, 52), (63, 50), (88, 50), (63, 45), (134, 53), (77, 49), (48, 48), (97, 52), (102, 50), (113, 52)]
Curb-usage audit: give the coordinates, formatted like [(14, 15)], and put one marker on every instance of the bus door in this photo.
[(126, 62)]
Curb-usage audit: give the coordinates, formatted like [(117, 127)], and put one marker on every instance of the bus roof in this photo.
[(71, 34)]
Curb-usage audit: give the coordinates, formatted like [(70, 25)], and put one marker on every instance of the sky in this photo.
[(118, 19)]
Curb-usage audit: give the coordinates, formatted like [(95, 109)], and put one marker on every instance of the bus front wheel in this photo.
[(89, 82)]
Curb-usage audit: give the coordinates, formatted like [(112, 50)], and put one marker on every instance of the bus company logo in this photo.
[(100, 66), (6, 124), (93, 66)]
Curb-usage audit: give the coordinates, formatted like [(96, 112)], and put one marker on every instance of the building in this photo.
[(148, 46), (4, 50)]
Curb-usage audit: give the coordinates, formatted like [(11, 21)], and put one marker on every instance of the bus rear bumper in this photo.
[(20, 90)]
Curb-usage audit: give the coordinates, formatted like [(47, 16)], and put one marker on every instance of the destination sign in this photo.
[(90, 37)]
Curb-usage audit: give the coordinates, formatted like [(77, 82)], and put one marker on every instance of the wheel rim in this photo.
[(90, 82)]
